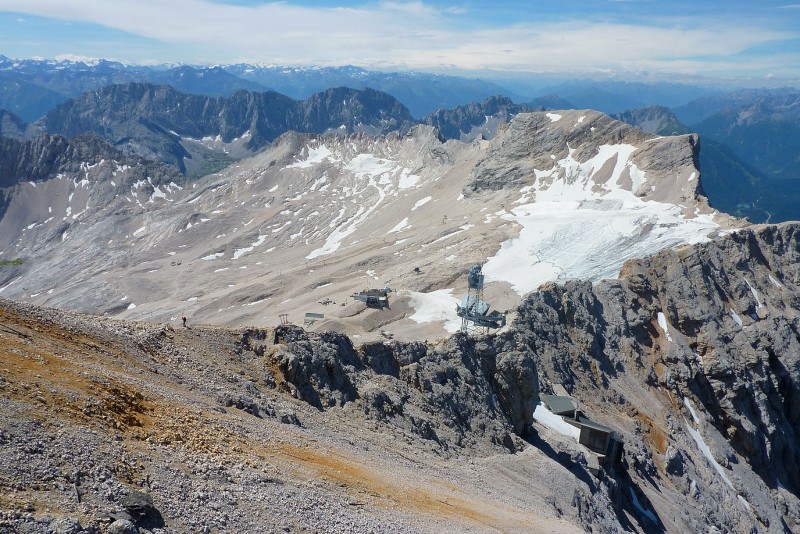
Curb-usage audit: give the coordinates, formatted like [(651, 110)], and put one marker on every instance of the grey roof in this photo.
[(594, 425), (559, 405)]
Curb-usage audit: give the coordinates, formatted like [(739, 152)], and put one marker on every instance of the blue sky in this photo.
[(719, 38)]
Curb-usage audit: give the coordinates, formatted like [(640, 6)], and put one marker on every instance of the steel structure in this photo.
[(473, 310)]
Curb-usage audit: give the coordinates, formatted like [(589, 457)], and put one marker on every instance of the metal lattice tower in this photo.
[(474, 300), (473, 310)]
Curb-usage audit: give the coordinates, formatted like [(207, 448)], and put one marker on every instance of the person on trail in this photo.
[(184, 321)]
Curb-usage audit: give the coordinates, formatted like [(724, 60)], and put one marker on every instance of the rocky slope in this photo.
[(207, 429), (692, 356), (314, 218)]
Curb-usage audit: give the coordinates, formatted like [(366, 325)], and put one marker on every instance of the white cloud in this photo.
[(412, 34)]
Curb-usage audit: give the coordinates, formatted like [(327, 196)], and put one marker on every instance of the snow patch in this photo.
[(701, 444), (239, 252), (421, 202), (556, 422), (688, 404), (585, 225), (407, 180), (436, 306), (755, 295), (662, 322), (402, 224), (648, 513), (744, 502), (315, 155), (554, 117)]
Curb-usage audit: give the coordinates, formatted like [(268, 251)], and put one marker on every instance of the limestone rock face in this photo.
[(654, 119), (12, 126), (48, 155), (459, 393), (534, 141), (695, 354)]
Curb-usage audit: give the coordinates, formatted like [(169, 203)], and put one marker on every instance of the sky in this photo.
[(756, 39)]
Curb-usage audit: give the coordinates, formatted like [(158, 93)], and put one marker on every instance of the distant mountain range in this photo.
[(30, 88), (201, 119), (189, 131)]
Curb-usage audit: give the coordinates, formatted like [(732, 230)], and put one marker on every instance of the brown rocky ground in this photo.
[(96, 408)]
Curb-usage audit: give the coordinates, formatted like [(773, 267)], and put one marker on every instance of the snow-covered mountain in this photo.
[(310, 220)]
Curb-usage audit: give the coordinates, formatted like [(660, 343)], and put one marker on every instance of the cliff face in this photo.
[(693, 347), (45, 156), (47, 183)]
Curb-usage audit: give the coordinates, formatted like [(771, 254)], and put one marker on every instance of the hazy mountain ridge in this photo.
[(653, 119), (611, 96), (161, 123), (764, 132), (30, 88), (422, 93)]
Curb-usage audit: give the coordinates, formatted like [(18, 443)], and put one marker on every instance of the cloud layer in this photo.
[(412, 35)]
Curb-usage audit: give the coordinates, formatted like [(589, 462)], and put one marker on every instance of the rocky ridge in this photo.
[(693, 348), (161, 123), (12, 126)]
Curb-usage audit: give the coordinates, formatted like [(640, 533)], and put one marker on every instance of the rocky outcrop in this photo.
[(458, 394), (711, 330), (48, 155), (571, 148)]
